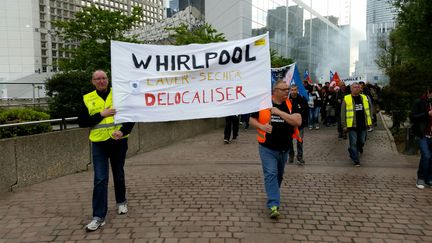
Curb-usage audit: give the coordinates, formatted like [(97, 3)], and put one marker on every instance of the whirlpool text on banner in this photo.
[(165, 83)]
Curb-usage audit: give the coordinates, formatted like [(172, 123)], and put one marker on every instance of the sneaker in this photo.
[(226, 141), (95, 224), (420, 184), (122, 209), (316, 127), (300, 161), (370, 129), (274, 212), (310, 127), (357, 163)]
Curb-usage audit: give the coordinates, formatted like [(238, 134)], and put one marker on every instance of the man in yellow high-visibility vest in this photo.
[(356, 119), (109, 142)]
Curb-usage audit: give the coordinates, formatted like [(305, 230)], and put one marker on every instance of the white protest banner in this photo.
[(164, 83)]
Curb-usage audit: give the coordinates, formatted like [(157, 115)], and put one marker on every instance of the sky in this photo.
[(341, 8)]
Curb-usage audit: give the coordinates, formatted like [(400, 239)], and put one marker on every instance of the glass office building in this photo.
[(296, 30), (380, 21)]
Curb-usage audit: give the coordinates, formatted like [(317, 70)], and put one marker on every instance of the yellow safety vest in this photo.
[(350, 110), (95, 104)]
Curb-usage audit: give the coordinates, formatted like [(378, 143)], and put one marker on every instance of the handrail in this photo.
[(62, 122)]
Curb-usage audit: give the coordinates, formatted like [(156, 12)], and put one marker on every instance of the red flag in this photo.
[(308, 79), (336, 79)]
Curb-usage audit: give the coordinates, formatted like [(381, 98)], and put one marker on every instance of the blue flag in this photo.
[(306, 74), (273, 77), (297, 80), (292, 76)]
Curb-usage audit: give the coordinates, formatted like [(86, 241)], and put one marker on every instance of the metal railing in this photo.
[(61, 121), (35, 101)]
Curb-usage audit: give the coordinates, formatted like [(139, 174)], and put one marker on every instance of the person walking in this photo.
[(356, 119), (109, 142), (275, 128), (315, 103), (301, 104), (340, 94), (231, 124), (421, 117)]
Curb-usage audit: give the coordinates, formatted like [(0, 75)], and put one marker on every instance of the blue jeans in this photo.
[(273, 164), (357, 140), (314, 114), (424, 169), (115, 151)]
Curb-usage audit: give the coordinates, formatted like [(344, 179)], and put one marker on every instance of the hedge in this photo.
[(18, 115)]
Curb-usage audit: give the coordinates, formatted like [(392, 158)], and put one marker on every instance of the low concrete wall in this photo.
[(36, 158), (8, 170)]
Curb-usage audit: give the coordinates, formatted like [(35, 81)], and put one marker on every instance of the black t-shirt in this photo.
[(281, 135), (302, 107), (360, 112)]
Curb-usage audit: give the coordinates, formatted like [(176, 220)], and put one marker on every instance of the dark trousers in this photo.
[(231, 123), (425, 170), (115, 152)]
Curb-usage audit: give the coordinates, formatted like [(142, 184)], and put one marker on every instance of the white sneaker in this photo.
[(95, 224), (122, 209), (420, 184)]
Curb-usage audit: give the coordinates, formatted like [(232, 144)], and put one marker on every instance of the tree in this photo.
[(414, 31), (200, 34), (91, 30), (65, 92), (279, 61), (406, 56)]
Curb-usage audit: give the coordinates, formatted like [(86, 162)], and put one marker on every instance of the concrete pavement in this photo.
[(201, 190)]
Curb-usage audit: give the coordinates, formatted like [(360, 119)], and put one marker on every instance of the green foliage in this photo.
[(23, 115), (414, 31), (200, 34), (279, 61), (406, 56), (92, 29), (65, 91)]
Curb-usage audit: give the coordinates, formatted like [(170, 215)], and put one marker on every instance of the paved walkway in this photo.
[(200, 190)]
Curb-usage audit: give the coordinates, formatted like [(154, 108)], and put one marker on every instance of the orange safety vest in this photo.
[(265, 117)]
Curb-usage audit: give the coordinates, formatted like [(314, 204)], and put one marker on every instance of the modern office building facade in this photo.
[(380, 21), (28, 43), (296, 30)]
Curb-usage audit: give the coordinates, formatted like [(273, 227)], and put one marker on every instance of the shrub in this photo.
[(23, 115)]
